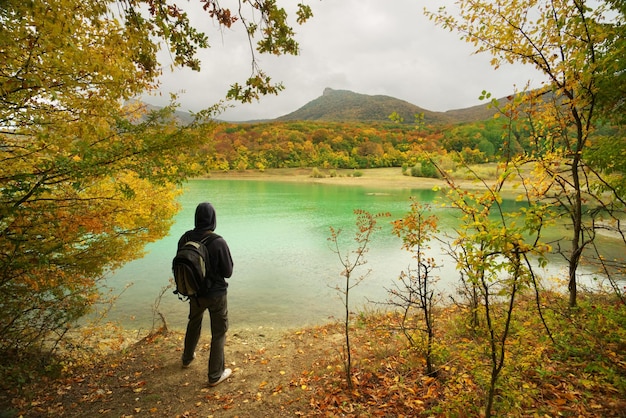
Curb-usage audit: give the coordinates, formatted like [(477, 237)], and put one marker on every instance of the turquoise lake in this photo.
[(285, 270)]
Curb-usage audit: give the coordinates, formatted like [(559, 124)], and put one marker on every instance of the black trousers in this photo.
[(218, 312)]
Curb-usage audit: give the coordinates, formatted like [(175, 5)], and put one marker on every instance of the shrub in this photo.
[(429, 170), (317, 174)]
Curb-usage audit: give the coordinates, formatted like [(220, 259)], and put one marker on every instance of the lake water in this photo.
[(278, 235), (285, 270)]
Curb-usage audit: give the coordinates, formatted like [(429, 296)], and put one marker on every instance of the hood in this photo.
[(205, 217)]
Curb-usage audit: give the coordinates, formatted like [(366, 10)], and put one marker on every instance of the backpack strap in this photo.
[(208, 238)]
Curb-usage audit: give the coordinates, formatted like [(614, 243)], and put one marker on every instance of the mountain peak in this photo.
[(345, 106)]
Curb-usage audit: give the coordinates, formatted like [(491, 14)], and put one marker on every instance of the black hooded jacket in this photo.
[(220, 259)]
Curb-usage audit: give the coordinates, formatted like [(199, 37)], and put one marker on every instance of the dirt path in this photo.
[(273, 376)]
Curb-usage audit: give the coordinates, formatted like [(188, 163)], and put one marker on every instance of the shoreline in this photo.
[(391, 177)]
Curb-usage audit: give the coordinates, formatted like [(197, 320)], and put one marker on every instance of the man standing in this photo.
[(213, 299)]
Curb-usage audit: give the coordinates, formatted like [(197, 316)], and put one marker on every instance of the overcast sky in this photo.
[(365, 46)]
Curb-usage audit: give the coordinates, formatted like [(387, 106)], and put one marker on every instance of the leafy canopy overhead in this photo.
[(265, 23)]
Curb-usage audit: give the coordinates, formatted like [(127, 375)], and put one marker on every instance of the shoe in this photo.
[(225, 375), (188, 362)]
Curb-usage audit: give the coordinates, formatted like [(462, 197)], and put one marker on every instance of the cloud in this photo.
[(366, 46)]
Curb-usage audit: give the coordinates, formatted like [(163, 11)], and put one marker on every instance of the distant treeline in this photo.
[(359, 145), (344, 145)]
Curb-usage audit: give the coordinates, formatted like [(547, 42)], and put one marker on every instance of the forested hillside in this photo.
[(344, 105), (349, 144), (347, 106)]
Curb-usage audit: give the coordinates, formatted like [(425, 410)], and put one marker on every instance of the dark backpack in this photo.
[(191, 267)]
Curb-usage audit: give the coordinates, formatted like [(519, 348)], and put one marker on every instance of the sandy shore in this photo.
[(374, 177)]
